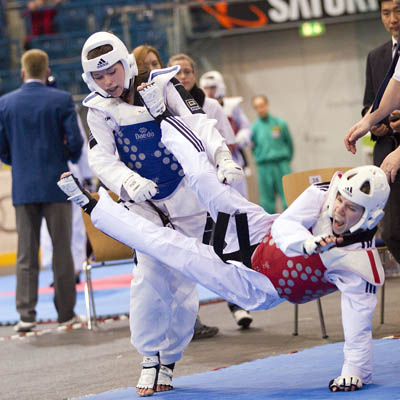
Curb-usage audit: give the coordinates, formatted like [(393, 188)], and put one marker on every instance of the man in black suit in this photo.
[(387, 132)]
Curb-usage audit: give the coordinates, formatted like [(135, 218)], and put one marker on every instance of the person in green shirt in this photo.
[(272, 150)]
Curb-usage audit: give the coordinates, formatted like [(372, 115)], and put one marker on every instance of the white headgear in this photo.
[(119, 52), (214, 78), (349, 186)]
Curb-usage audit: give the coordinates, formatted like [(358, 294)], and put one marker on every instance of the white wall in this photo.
[(8, 240), (315, 84)]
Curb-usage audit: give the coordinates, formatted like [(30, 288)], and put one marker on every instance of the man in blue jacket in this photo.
[(38, 135)]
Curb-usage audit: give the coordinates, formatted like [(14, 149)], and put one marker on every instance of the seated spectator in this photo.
[(39, 15)]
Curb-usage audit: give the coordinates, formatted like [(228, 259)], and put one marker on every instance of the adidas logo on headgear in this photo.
[(102, 63), (348, 190)]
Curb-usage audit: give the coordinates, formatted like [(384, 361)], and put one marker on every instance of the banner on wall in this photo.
[(236, 16)]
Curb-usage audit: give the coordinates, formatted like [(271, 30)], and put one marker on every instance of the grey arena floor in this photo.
[(67, 364)]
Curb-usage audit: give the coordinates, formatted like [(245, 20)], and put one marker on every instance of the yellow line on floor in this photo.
[(7, 259)]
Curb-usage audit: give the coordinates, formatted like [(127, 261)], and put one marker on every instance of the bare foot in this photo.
[(65, 174), (164, 388), (144, 392)]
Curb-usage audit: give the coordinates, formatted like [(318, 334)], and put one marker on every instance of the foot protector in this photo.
[(164, 381), (147, 383), (75, 192), (345, 383), (242, 318), (153, 100)]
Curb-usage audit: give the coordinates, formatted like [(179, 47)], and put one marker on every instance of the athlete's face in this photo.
[(186, 75), (210, 91), (345, 214), (390, 15), (151, 61), (111, 79)]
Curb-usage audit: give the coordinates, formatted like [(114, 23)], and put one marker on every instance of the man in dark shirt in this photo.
[(387, 132)]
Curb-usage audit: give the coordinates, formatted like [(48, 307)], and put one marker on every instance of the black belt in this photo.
[(164, 218), (242, 228)]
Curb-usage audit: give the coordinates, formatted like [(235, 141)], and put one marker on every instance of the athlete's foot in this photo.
[(164, 388), (75, 192), (147, 384), (242, 318), (164, 379), (144, 392)]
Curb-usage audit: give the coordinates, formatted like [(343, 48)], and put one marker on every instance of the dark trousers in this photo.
[(58, 217), (391, 221)]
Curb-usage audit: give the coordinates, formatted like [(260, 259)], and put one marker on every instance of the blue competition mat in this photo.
[(111, 291), (303, 375)]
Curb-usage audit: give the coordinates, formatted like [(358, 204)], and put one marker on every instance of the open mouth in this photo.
[(339, 224), (112, 90)]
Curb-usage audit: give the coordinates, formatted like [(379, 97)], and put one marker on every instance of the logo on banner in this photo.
[(261, 13), (220, 12)]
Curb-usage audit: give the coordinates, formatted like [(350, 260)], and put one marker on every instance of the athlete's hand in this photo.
[(321, 243), (229, 172), (139, 189), (345, 383)]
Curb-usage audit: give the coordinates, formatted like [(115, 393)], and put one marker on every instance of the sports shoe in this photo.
[(242, 318), (202, 331), (23, 326), (74, 320)]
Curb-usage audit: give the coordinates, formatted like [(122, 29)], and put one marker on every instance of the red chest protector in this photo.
[(298, 279)]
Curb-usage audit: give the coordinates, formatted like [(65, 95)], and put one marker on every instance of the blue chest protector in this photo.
[(140, 148)]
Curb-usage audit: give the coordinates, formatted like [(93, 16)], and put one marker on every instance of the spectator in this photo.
[(187, 75), (213, 84), (39, 16), (147, 58), (272, 151), (38, 134), (214, 110), (82, 171), (387, 132)]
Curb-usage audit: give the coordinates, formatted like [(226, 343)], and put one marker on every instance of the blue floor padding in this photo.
[(303, 375), (108, 301)]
